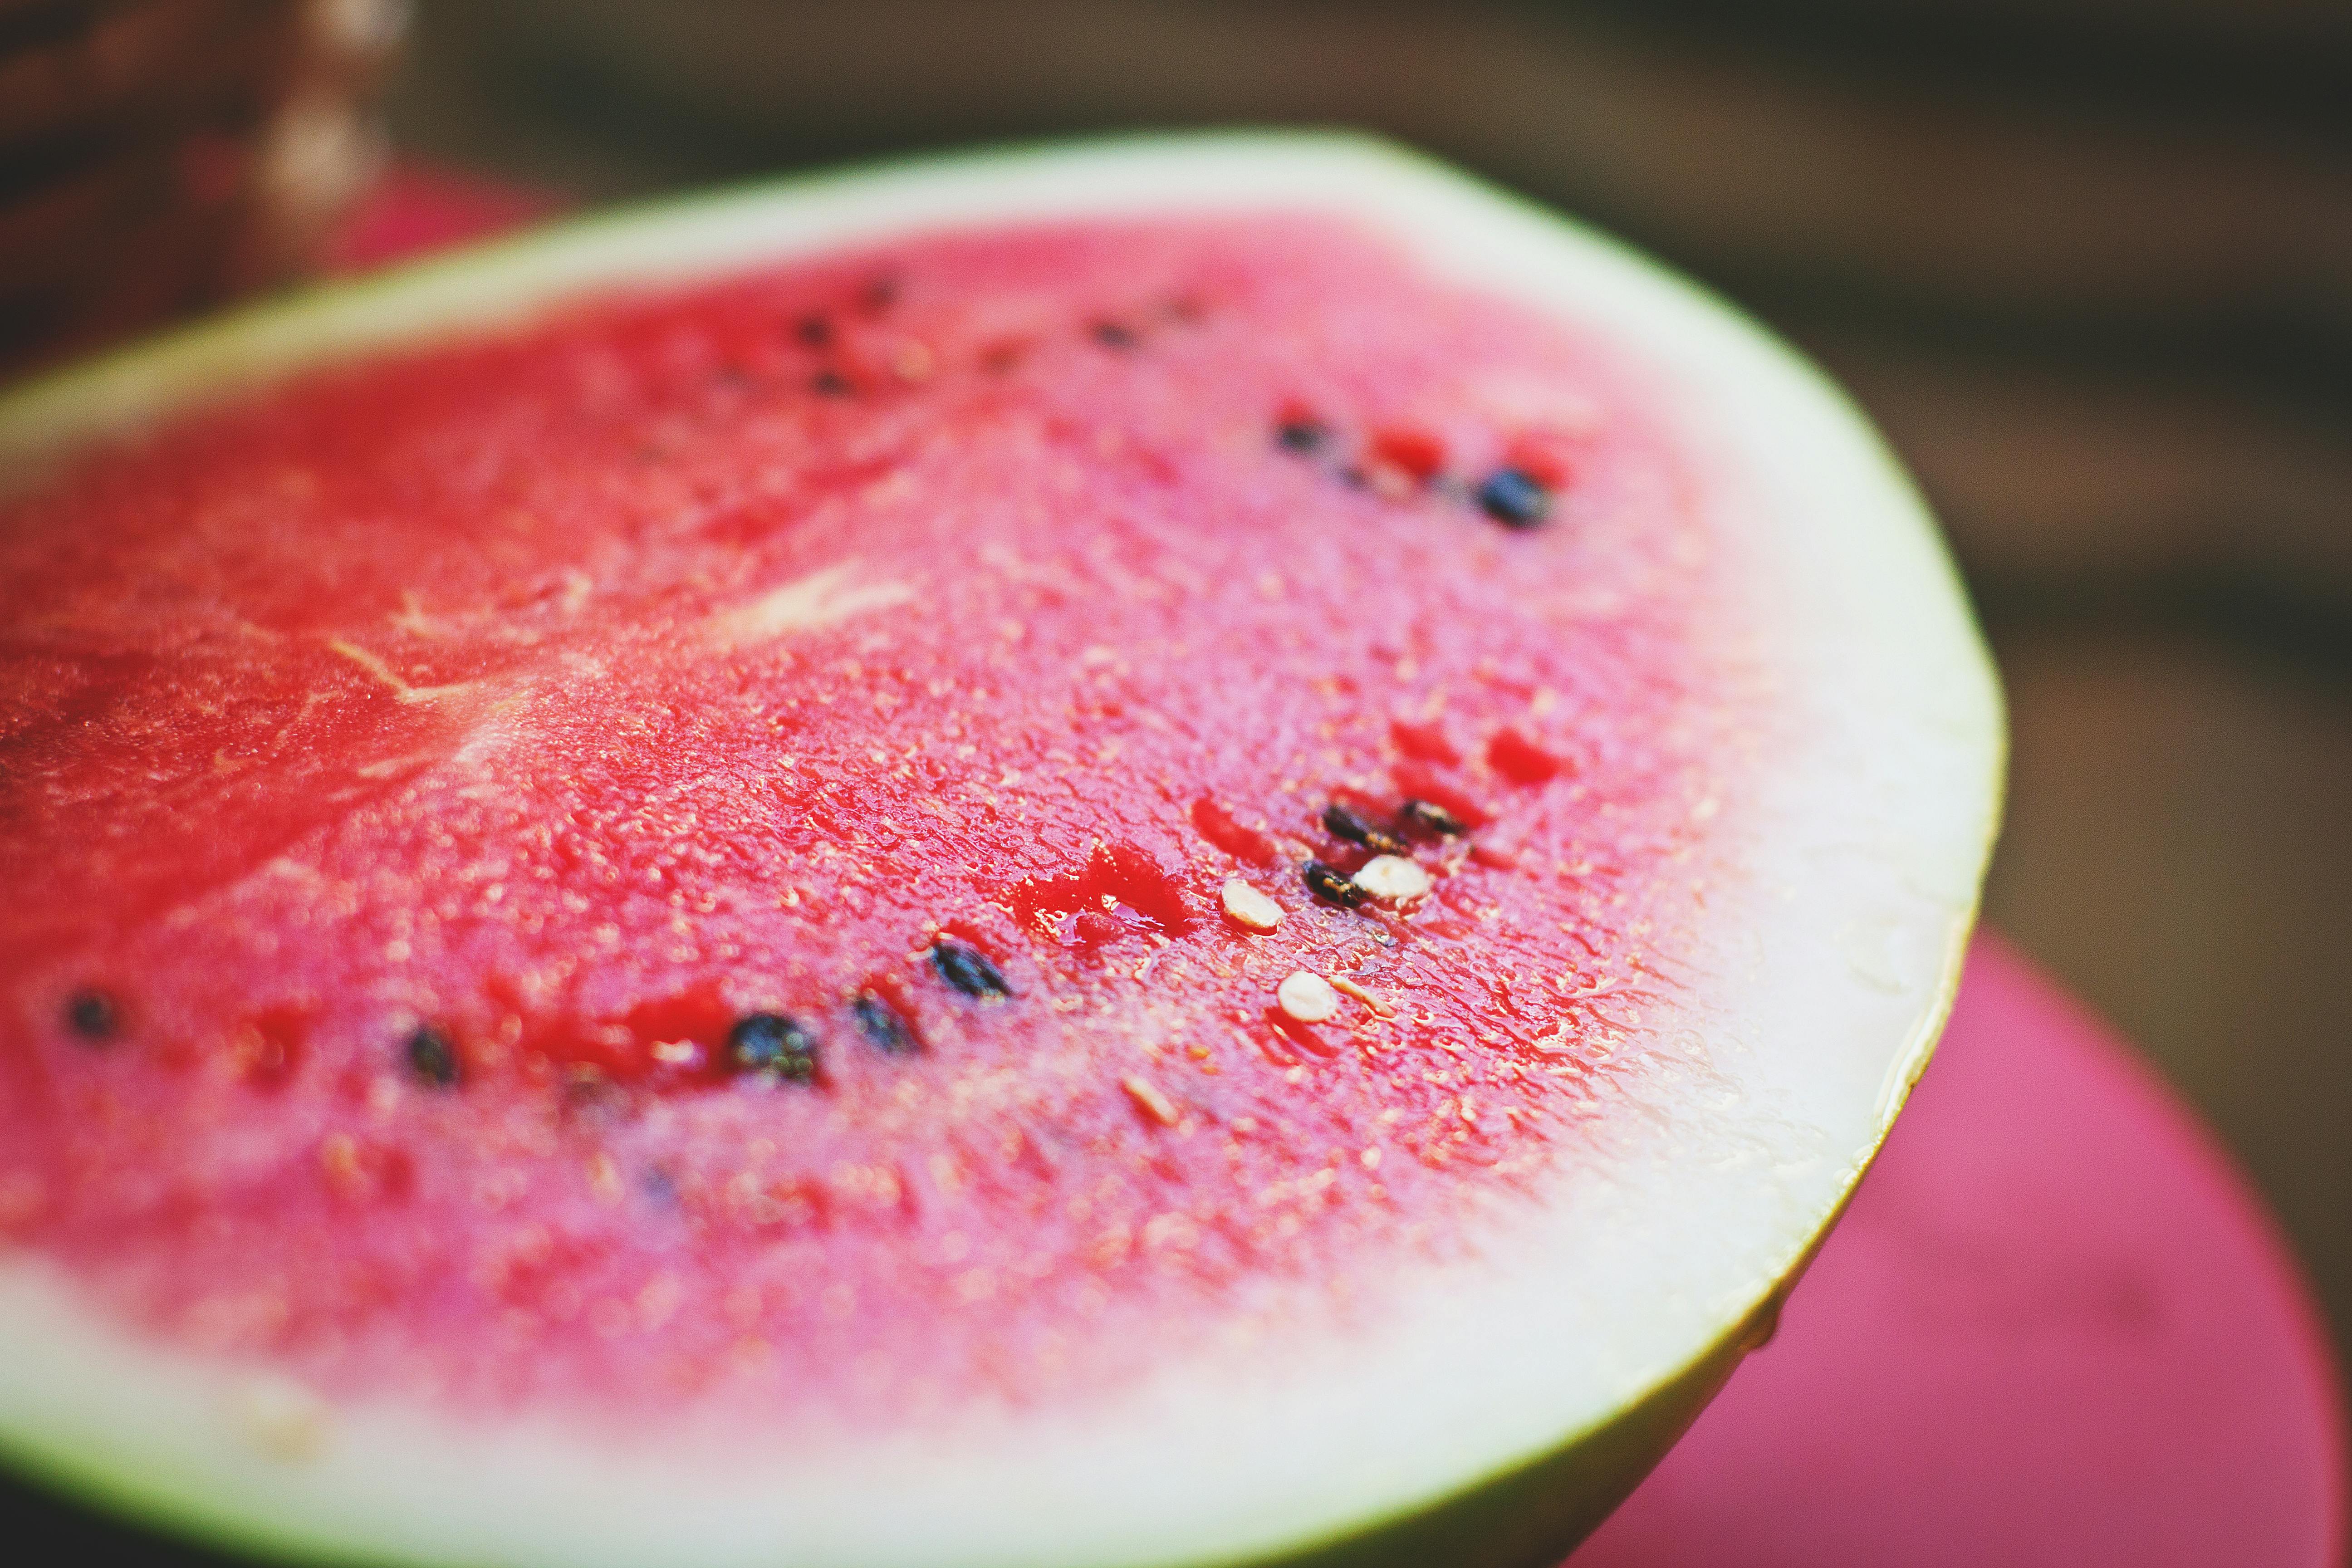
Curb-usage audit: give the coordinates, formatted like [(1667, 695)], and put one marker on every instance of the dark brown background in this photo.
[(2089, 262)]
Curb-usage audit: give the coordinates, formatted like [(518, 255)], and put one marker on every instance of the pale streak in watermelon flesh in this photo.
[(1471, 1375)]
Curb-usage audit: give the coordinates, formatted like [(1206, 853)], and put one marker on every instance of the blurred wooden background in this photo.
[(160, 156), (2088, 261)]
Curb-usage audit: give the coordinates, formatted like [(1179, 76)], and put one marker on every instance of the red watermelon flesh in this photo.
[(413, 777)]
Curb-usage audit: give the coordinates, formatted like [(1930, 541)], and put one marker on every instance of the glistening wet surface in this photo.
[(684, 849)]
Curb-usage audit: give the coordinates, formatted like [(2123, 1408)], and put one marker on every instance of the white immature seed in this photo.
[(1394, 879), (1307, 997), (1368, 998), (1149, 1101), (1249, 907)]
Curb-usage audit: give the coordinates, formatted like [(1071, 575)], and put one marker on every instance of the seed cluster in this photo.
[(777, 1048), (1397, 463), (762, 1046), (774, 1048), (841, 373), (1391, 875)]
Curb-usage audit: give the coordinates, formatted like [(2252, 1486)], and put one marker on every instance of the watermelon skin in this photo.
[(699, 627)]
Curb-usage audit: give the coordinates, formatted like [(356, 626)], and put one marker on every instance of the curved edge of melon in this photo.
[(1517, 1504)]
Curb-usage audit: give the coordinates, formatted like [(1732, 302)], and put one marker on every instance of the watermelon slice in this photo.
[(1201, 851)]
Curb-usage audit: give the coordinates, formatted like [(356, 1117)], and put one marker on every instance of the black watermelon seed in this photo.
[(830, 384), (1331, 887), (1341, 823), (968, 970), (814, 330), (433, 1057), (1112, 335), (1514, 498), (878, 1024), (879, 295), (1300, 435), (94, 1016), (773, 1045), (1431, 817)]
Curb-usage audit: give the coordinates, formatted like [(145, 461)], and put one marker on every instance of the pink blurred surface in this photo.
[(2055, 1328)]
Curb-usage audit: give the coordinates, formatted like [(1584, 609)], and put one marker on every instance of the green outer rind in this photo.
[(1527, 1515), (83, 1480)]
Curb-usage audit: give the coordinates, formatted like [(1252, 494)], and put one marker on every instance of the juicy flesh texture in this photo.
[(575, 692)]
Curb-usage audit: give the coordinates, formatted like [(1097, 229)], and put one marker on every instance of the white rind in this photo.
[(1850, 917)]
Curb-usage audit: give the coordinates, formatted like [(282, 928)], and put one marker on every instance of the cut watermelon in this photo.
[(1187, 852)]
